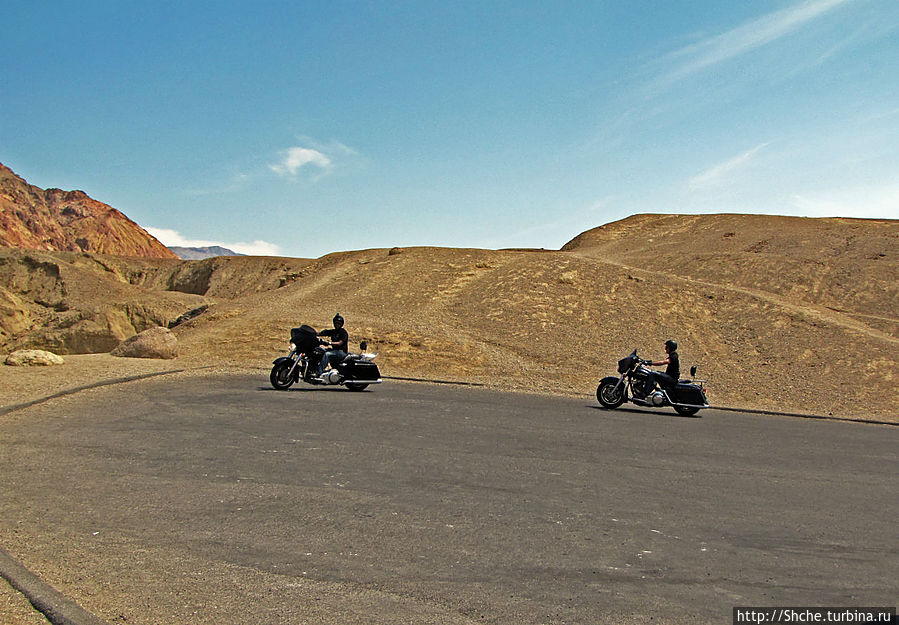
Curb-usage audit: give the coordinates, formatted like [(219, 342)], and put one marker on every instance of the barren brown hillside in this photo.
[(849, 266), (539, 320), (78, 303), (53, 219)]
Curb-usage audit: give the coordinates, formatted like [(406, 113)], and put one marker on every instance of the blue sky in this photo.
[(301, 128)]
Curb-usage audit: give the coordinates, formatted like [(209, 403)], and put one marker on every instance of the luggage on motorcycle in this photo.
[(689, 394), (305, 338), (360, 370)]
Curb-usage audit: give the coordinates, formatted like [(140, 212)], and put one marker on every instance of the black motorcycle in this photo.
[(356, 371), (637, 385)]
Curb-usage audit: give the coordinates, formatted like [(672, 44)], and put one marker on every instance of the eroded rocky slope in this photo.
[(53, 219)]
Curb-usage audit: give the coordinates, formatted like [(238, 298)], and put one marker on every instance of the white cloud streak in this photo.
[(715, 175), (745, 38), (255, 248), (173, 238)]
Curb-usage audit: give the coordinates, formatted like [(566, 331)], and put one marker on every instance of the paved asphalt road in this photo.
[(220, 500)]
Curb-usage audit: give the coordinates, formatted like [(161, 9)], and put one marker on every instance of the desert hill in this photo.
[(846, 265), (553, 321), (53, 219)]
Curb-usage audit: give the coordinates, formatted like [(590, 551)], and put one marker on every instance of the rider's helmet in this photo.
[(671, 345), (338, 321)]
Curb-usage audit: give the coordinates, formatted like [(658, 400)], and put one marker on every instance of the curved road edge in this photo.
[(59, 609)]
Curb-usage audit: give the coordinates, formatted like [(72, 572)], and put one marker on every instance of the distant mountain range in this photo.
[(199, 253), (70, 221)]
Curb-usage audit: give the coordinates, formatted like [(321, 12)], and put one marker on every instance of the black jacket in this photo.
[(340, 336)]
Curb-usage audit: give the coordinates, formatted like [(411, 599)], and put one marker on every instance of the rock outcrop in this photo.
[(33, 357), (53, 219), (156, 342)]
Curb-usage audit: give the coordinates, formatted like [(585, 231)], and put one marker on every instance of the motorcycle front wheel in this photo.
[(610, 394), (281, 377)]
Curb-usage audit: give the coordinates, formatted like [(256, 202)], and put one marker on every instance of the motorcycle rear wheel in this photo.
[(610, 394), (685, 411), (353, 386), (281, 377)]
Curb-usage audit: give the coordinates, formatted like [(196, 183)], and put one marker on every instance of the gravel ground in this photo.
[(23, 385), (15, 608)]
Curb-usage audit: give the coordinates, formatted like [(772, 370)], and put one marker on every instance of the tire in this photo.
[(353, 386), (685, 411), (608, 396), (281, 377)]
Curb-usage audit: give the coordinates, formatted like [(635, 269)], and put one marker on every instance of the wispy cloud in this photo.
[(295, 158), (255, 248), (316, 158), (173, 238), (744, 38), (650, 95), (715, 175)]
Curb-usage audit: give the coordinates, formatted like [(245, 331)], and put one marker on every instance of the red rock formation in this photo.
[(71, 221)]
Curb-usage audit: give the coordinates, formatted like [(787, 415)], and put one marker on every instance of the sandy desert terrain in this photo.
[(791, 314)]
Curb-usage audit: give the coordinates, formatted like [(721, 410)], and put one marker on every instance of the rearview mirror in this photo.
[(693, 371), (363, 346)]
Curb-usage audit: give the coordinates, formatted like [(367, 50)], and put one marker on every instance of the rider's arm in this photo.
[(327, 333)]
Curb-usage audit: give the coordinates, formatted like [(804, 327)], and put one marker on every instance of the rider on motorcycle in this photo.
[(672, 371), (339, 344)]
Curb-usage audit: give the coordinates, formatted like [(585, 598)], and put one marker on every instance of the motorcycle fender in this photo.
[(281, 359), (612, 379)]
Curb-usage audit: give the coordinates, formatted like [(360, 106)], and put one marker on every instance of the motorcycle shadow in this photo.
[(641, 411), (335, 388)]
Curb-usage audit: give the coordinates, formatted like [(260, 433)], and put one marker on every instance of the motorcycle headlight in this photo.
[(293, 346)]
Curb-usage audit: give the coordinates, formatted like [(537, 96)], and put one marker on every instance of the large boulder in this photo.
[(33, 357), (156, 342)]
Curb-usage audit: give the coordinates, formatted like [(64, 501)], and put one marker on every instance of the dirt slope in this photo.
[(77, 303), (847, 265), (556, 321)]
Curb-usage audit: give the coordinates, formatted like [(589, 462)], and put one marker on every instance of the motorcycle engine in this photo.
[(639, 385), (657, 398), (332, 377)]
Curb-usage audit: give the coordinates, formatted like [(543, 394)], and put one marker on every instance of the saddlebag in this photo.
[(361, 370), (689, 394)]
